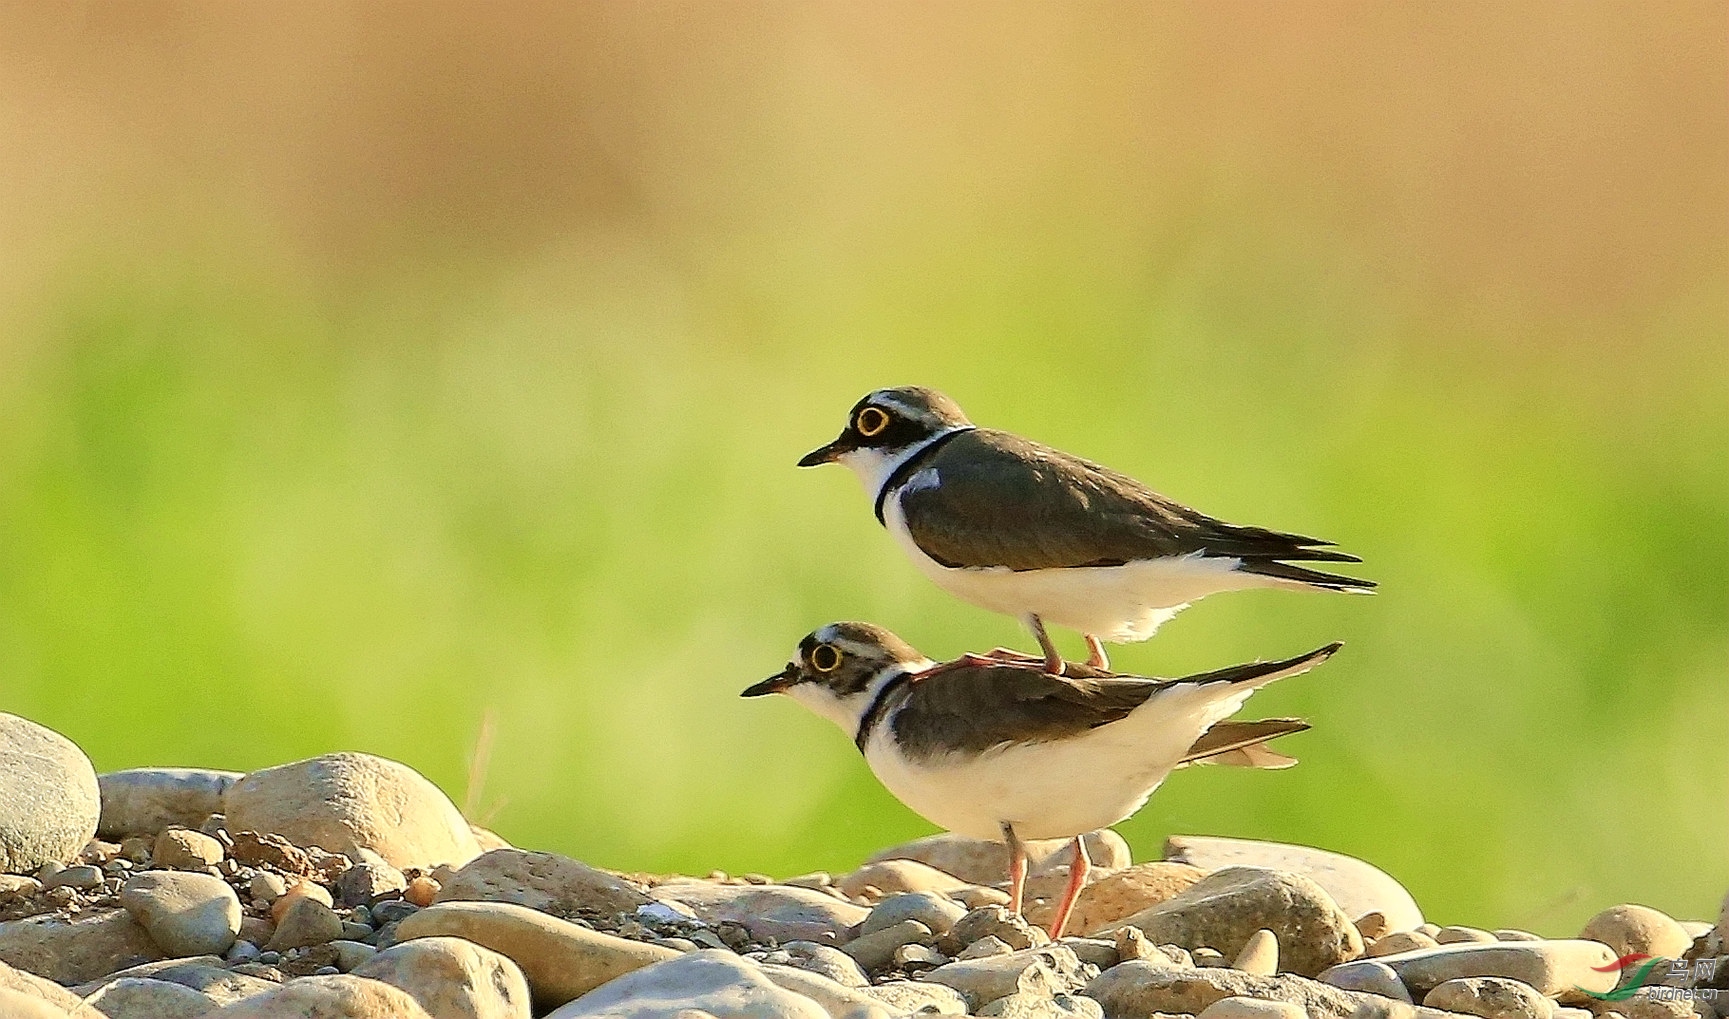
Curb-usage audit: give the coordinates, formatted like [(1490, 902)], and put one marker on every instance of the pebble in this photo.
[(545, 881), (1043, 1006), (1260, 954), (299, 889), (1464, 936), (985, 947), (340, 996), (1509, 934), (1373, 925), (838, 1001), (1369, 977), (242, 951), (937, 912), (1114, 897), (356, 931), (1490, 997), (718, 983), (1209, 957), (181, 849), (366, 883), (256, 929), (890, 877), (992, 922), (148, 800), (185, 913), (560, 960), (981, 862), (266, 886), (18, 886), (156, 999), (876, 950), (780, 912), (1224, 909), (422, 891), (1097, 951), (916, 956), (305, 922), (1550, 966), (978, 896), (82, 876), (1240, 1007), (1629, 928), (1051, 969), (825, 961), (453, 977), (393, 911), (1358, 887), (348, 802), (907, 997), (51, 798), (1400, 941), (1147, 986)]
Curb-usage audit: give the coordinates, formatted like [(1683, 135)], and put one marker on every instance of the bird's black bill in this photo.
[(823, 454), (773, 684)]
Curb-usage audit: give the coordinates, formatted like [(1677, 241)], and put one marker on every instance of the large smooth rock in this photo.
[(1630, 928), (185, 913), (782, 912), (204, 974), (838, 1001), (143, 998), (145, 801), (347, 802), (17, 1005), (910, 997), (1223, 910), (1134, 989), (71, 952), (1549, 966), (28, 985), (715, 982), (1104, 903), (1357, 887), (545, 881), (337, 997), (1491, 998), (1049, 970), (561, 960), (983, 863), (894, 876), (49, 803), (453, 978)]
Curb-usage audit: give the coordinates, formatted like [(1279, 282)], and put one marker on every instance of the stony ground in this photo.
[(349, 887)]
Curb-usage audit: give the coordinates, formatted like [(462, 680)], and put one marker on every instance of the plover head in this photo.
[(839, 669), (887, 426)]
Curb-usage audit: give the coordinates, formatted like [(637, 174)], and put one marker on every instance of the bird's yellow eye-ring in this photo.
[(871, 421), (824, 658)]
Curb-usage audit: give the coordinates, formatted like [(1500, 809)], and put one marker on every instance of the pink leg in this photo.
[(1096, 653), (1077, 877), (1053, 659), (1017, 868)]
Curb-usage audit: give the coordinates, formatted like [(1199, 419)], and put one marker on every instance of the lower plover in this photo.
[(995, 747)]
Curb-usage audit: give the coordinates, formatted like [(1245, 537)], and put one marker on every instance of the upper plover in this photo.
[(1023, 529), (1000, 749)]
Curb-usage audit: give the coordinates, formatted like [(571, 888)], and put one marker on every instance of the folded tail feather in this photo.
[(1302, 575), (1243, 744)]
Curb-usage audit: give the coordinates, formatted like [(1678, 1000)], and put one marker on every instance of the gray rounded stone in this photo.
[(185, 913), (49, 800), (144, 801), (936, 912), (140, 997), (1491, 998)]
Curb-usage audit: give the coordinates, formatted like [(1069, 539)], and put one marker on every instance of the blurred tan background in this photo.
[(368, 370)]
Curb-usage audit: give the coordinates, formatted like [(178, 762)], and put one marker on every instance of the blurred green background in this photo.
[(385, 373)]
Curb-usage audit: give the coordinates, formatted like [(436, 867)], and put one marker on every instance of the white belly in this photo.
[(1059, 789), (1115, 603)]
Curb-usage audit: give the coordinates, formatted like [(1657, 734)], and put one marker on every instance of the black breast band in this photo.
[(900, 474), (878, 705)]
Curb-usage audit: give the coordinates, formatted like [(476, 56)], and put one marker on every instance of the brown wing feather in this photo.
[(1002, 500), (975, 708)]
